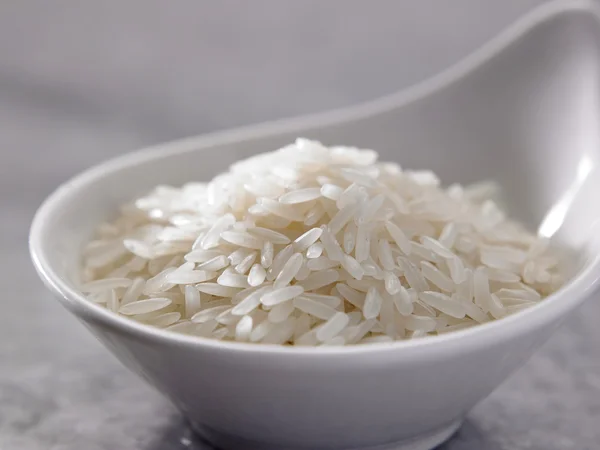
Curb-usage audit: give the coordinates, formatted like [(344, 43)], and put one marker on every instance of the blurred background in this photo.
[(82, 81)]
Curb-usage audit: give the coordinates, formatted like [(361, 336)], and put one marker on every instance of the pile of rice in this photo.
[(310, 245)]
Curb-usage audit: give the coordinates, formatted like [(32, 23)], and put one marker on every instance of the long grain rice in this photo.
[(312, 245)]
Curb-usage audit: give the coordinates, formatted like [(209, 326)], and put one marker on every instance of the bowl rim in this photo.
[(555, 305)]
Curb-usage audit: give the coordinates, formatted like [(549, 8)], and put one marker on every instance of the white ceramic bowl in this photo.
[(523, 111)]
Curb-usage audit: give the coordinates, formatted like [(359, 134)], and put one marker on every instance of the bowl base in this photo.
[(424, 441)]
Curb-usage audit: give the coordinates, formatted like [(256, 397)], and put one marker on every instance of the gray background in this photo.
[(81, 81)]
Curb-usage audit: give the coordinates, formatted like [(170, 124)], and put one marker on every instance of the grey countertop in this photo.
[(82, 81)]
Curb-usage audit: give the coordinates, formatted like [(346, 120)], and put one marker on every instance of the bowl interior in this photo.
[(525, 116)]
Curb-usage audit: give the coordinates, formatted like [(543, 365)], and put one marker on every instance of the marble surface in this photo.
[(83, 81)]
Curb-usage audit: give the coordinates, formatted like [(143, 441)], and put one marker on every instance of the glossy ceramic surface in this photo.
[(522, 111)]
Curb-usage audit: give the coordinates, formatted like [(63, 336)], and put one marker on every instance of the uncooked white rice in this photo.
[(310, 245)]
